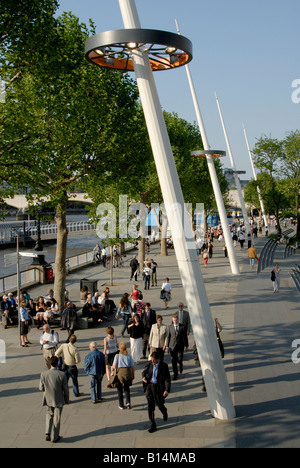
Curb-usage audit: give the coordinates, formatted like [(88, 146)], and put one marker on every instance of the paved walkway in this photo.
[(258, 330)]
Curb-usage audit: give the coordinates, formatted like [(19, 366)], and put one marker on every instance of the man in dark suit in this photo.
[(148, 318), (56, 394), (157, 386), (176, 342)]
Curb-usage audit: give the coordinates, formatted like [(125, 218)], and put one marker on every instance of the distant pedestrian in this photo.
[(147, 275), (154, 273), (70, 357), (205, 257), (275, 277), (103, 256), (6, 311), (166, 290), (134, 265), (56, 394), (252, 255), (157, 386), (134, 296), (94, 366)]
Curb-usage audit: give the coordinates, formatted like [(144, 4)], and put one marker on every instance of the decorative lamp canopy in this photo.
[(231, 171), (113, 49), (204, 153)]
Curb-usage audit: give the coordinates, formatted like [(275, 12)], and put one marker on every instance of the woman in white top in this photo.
[(167, 288)]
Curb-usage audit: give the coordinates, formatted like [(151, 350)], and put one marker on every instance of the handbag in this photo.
[(163, 294), (114, 379)]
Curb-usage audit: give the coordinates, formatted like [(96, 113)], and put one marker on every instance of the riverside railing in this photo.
[(31, 277)]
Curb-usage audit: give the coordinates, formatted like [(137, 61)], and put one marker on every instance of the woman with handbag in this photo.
[(125, 310), (123, 366)]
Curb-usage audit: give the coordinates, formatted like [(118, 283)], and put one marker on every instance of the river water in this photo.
[(75, 246)]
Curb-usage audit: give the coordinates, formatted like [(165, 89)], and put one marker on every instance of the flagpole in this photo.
[(236, 177), (214, 178), (262, 205)]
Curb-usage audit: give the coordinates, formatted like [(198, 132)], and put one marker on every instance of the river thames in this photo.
[(75, 246)]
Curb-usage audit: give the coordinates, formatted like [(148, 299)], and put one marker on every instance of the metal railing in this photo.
[(32, 276)]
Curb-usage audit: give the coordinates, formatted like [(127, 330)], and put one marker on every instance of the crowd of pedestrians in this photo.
[(150, 340)]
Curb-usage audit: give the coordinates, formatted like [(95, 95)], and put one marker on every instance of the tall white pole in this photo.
[(214, 178), (262, 205), (236, 177), (218, 392)]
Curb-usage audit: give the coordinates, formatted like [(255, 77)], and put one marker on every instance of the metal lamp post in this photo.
[(144, 58)]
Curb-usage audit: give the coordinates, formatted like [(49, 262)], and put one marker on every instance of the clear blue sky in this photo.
[(248, 52)]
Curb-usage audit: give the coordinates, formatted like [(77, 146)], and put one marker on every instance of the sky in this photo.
[(246, 52)]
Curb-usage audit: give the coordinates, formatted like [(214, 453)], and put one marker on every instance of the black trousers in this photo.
[(177, 358), (154, 398)]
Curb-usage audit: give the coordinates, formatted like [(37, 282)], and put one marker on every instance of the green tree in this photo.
[(291, 172), (61, 123), (268, 154)]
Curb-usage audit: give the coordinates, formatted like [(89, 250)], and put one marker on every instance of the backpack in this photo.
[(273, 276)]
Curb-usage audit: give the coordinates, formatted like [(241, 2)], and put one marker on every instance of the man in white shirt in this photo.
[(49, 340), (71, 357)]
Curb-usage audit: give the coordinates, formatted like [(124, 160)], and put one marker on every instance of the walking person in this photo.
[(49, 340), (205, 257), (134, 265), (153, 274), (147, 275), (110, 349), (56, 394), (157, 386), (94, 367), (252, 255), (124, 366), (136, 332), (166, 289), (125, 310), (158, 338), (70, 357), (134, 296), (176, 342), (275, 277), (103, 256)]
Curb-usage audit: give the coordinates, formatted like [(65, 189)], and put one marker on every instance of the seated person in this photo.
[(90, 311)]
